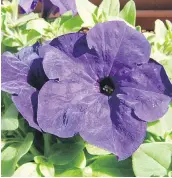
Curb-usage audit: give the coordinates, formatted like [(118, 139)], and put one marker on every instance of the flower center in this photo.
[(106, 86)]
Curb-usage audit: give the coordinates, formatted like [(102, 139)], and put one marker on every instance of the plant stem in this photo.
[(47, 143), (34, 151)]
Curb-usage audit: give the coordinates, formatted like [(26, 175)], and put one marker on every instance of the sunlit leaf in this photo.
[(152, 159), (128, 13)]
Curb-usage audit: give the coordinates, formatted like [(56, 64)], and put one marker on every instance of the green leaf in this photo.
[(11, 41), (60, 20), (128, 13), (109, 166), (6, 99), (152, 159), (65, 17), (47, 169), (170, 174), (11, 7), (169, 25), (40, 159), (27, 170), (162, 126), (28, 157), (160, 31), (168, 137), (85, 10), (64, 153), (93, 150), (168, 49), (71, 25), (74, 172), (167, 64), (13, 153), (26, 18), (79, 161), (5, 20), (139, 28), (9, 119), (38, 25), (32, 37), (109, 8)]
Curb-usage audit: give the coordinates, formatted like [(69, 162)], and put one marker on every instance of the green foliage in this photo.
[(27, 170), (163, 126), (161, 42), (108, 8), (13, 153), (72, 172), (153, 160), (23, 30), (62, 154), (93, 150), (86, 10), (59, 157), (9, 119), (128, 13), (109, 166), (107, 11), (47, 169)]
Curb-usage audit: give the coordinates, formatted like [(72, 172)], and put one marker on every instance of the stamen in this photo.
[(106, 86)]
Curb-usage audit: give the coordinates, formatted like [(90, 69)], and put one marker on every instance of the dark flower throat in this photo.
[(106, 86)]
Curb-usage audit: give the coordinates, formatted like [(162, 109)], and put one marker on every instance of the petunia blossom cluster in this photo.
[(49, 6), (101, 85)]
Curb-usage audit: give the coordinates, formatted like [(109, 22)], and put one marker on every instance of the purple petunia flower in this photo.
[(61, 6), (28, 6), (49, 6), (23, 77), (104, 87)]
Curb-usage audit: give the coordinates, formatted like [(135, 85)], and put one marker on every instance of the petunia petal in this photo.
[(66, 55), (60, 6), (112, 128), (149, 77), (156, 75), (26, 102), (117, 43), (128, 131), (28, 54), (28, 5), (65, 5), (14, 74), (70, 43), (36, 76), (96, 127), (61, 105), (148, 106)]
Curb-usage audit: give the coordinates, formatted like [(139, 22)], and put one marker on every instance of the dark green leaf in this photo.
[(109, 166), (64, 153), (75, 172)]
